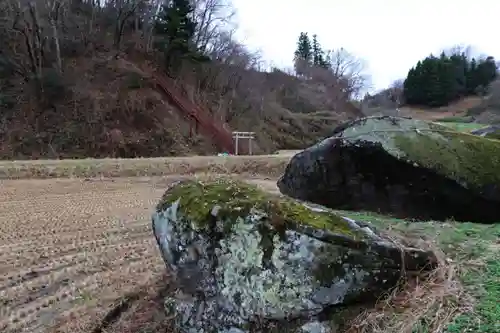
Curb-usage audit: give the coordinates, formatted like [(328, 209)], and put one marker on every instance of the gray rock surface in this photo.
[(243, 258), (487, 131), (404, 167)]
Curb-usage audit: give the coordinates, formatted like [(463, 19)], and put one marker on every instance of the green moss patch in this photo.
[(463, 157), (494, 135), (237, 199)]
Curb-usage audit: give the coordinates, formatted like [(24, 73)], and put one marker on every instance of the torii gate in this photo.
[(243, 135)]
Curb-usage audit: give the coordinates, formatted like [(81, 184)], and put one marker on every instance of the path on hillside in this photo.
[(70, 248)]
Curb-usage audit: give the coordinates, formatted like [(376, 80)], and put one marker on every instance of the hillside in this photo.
[(476, 109), (101, 102), (481, 110), (459, 108)]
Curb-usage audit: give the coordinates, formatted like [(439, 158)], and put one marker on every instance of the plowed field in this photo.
[(72, 250)]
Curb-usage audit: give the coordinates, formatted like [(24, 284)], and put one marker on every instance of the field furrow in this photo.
[(71, 249)]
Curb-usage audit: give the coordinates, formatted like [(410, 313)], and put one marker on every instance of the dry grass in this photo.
[(426, 303), (266, 165), (455, 109)]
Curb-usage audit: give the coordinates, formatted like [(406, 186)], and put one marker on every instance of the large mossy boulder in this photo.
[(244, 259), (404, 167)]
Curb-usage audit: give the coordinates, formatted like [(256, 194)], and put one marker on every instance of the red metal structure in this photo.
[(203, 121)]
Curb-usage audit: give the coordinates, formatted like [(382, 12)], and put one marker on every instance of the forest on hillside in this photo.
[(73, 81), (437, 81)]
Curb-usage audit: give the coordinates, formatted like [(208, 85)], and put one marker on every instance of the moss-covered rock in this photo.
[(243, 256), (406, 167), (238, 199)]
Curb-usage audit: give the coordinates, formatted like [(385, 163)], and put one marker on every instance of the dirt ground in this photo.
[(73, 249), (268, 165)]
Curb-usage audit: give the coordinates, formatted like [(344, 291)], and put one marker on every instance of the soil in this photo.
[(78, 255)]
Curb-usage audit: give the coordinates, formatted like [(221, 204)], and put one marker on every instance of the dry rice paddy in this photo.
[(73, 249)]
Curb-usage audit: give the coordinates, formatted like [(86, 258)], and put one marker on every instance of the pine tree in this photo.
[(471, 78), (303, 54), (318, 53), (460, 64), (437, 81), (176, 29), (486, 73), (304, 48)]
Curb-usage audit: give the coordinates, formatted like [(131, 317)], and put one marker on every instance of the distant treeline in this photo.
[(437, 81)]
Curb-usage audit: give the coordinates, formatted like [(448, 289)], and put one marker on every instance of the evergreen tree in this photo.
[(436, 81), (175, 30), (304, 48), (431, 81), (486, 73), (303, 54), (460, 64), (471, 79), (318, 53)]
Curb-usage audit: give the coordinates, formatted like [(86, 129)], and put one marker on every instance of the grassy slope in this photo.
[(475, 251), (472, 242)]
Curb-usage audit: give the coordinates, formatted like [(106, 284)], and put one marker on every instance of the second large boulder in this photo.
[(399, 166)]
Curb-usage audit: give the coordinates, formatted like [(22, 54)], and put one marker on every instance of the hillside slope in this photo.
[(106, 107)]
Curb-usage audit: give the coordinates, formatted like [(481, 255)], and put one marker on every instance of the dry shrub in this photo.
[(428, 301)]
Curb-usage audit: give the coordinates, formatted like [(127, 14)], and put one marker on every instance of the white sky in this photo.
[(391, 36)]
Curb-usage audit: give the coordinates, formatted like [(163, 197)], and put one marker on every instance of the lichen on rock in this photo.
[(243, 256)]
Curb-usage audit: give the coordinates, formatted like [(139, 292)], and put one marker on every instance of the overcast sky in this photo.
[(390, 35)]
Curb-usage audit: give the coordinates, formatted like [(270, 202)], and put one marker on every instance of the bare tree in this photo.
[(397, 84), (214, 18), (350, 68), (396, 92), (460, 49), (150, 12), (55, 11), (26, 23), (125, 10), (227, 50)]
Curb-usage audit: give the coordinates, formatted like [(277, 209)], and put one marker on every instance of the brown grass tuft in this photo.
[(424, 303)]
